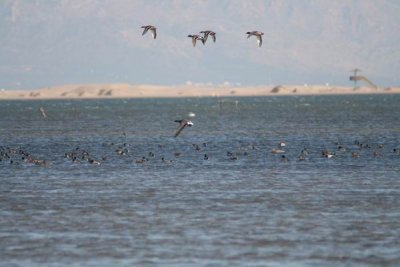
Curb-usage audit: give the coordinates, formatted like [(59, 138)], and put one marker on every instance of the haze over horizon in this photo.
[(48, 43)]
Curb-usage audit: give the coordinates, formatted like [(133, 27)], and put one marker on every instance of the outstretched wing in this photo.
[(194, 41), (182, 125), (205, 37), (146, 28), (259, 41), (154, 33), (214, 38)]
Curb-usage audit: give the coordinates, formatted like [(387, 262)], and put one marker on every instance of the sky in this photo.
[(47, 43)]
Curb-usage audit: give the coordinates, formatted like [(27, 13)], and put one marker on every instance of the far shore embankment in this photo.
[(104, 91)]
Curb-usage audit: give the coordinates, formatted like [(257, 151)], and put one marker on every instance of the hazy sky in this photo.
[(46, 43)]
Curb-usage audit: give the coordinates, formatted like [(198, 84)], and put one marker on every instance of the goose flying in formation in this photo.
[(151, 28), (182, 125), (196, 37), (203, 38), (207, 33), (258, 34)]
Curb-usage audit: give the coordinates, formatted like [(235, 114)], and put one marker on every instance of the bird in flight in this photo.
[(151, 28), (196, 37), (182, 125), (257, 34), (207, 33)]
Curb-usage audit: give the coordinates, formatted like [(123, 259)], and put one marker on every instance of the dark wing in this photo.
[(205, 37), (146, 28), (182, 125), (194, 41), (259, 40), (214, 37)]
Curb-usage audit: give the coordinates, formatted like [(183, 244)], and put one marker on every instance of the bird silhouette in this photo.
[(257, 34), (207, 33), (151, 28), (196, 37)]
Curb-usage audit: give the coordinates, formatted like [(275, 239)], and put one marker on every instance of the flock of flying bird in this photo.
[(196, 37), (203, 39)]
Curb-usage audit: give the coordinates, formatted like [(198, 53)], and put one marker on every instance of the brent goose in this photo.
[(207, 33), (196, 37)]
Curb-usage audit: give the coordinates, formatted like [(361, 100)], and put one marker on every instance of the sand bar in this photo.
[(87, 91)]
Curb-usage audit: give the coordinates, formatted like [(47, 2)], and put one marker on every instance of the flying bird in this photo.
[(257, 34), (182, 125), (196, 37), (207, 33), (151, 28)]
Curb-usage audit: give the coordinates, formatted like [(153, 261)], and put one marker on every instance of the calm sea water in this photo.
[(244, 206)]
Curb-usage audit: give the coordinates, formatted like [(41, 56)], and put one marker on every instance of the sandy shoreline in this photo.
[(87, 91)]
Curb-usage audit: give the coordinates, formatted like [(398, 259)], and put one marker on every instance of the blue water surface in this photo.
[(105, 183)]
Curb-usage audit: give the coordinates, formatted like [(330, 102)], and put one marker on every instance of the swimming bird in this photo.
[(94, 162), (196, 37), (257, 34), (207, 33), (377, 153), (327, 154), (142, 160), (121, 151), (277, 151), (151, 28), (233, 157), (284, 158), (301, 157), (166, 161), (196, 147), (182, 125)]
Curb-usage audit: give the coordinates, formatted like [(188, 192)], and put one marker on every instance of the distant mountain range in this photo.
[(47, 43)]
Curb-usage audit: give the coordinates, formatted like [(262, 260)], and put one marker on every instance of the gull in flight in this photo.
[(257, 34), (151, 28), (182, 125)]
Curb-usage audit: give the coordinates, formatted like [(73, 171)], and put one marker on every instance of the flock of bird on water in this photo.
[(78, 155), (203, 39)]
